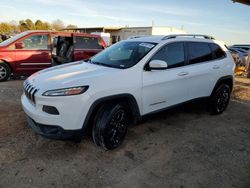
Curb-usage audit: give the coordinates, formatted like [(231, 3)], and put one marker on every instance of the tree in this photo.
[(30, 24), (57, 25), (39, 25), (14, 26), (23, 26), (42, 25), (46, 26), (5, 27)]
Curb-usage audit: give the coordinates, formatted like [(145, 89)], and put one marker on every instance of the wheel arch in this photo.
[(120, 98), (229, 80), (7, 63)]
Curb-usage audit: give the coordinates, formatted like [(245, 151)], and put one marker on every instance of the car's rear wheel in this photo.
[(110, 126), (219, 99), (4, 72)]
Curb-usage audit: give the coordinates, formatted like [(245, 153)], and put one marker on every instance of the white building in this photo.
[(122, 33)]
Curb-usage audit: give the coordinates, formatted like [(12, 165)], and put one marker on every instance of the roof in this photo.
[(161, 38), (63, 33), (248, 45), (153, 39)]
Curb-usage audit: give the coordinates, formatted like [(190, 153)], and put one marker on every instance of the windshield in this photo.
[(123, 55), (12, 39)]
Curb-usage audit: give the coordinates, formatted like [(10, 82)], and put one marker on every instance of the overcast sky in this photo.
[(221, 18)]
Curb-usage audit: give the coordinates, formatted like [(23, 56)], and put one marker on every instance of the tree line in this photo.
[(24, 25)]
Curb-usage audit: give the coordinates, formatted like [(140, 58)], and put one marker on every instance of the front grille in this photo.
[(30, 91)]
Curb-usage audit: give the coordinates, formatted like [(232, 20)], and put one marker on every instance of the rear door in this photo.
[(34, 55), (86, 46), (203, 69)]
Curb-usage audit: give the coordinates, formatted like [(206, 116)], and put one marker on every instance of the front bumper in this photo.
[(52, 131), (71, 117)]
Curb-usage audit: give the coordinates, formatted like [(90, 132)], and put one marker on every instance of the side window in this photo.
[(36, 42), (217, 51), (172, 53), (199, 52), (82, 42)]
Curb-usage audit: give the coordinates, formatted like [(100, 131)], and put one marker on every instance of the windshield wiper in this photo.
[(103, 64), (87, 60)]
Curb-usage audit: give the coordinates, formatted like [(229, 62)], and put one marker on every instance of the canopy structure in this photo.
[(246, 2)]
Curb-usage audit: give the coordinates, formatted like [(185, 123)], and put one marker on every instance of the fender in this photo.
[(128, 98), (12, 68), (8, 61), (225, 79), (5, 57)]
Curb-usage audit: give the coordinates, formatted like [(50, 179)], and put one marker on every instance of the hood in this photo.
[(68, 75)]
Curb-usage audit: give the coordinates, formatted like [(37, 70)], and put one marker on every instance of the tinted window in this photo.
[(199, 52), (87, 43), (217, 51), (40, 42), (172, 53)]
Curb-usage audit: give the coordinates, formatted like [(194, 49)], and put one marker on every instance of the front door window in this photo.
[(36, 42)]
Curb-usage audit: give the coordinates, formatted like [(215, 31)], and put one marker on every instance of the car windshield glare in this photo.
[(123, 55)]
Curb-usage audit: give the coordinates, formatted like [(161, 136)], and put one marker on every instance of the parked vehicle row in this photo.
[(32, 51), (125, 82), (241, 55)]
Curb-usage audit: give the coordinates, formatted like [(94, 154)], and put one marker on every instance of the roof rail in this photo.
[(188, 35), (136, 36)]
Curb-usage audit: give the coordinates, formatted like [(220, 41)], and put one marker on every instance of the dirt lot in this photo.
[(184, 147)]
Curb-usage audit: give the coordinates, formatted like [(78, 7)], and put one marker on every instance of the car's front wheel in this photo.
[(110, 126), (219, 99), (4, 72)]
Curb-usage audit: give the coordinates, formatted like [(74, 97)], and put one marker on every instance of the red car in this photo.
[(31, 51)]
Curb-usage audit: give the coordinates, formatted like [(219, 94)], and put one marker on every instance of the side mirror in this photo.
[(19, 45), (158, 65)]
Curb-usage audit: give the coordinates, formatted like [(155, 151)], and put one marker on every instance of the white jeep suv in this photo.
[(128, 80)]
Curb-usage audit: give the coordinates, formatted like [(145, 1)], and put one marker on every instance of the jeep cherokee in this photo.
[(126, 81)]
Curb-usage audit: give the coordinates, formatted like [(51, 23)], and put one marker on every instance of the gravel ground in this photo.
[(183, 147)]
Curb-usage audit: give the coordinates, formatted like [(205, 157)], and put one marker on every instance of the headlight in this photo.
[(66, 91)]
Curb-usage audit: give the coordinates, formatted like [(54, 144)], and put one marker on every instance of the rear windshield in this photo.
[(84, 42), (13, 39)]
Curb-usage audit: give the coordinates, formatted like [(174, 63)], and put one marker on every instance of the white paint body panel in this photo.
[(153, 90)]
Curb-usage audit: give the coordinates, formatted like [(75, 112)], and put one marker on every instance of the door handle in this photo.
[(216, 67), (183, 74)]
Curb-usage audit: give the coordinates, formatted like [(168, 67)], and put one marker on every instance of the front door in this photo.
[(164, 88), (33, 53)]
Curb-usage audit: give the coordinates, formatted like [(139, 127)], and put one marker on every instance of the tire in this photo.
[(110, 126), (5, 72), (219, 99)]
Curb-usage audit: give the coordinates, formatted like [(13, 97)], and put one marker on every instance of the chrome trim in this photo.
[(35, 64)]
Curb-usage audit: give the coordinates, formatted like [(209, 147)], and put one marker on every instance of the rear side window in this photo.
[(172, 53), (217, 51), (82, 42), (199, 52)]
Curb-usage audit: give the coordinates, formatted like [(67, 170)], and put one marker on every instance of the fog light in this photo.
[(50, 110)]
